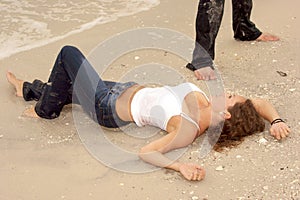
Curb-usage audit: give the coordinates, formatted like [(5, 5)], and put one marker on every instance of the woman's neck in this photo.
[(205, 119)]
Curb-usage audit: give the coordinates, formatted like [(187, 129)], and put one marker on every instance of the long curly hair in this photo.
[(244, 121)]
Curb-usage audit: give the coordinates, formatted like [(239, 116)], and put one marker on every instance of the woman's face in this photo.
[(232, 99), (223, 113)]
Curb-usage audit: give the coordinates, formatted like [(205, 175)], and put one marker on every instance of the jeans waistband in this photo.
[(106, 106)]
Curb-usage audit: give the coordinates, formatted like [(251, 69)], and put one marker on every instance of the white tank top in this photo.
[(155, 106)]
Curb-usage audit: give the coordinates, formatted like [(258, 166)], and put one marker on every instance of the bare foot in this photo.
[(266, 37), (205, 73), (30, 112), (17, 83)]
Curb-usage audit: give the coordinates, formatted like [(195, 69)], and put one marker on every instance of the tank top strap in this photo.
[(185, 116)]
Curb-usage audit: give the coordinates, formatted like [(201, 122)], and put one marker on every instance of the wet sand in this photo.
[(42, 159)]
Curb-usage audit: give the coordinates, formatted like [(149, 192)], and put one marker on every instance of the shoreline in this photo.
[(67, 32)]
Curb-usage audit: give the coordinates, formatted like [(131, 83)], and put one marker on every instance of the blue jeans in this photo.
[(73, 80)]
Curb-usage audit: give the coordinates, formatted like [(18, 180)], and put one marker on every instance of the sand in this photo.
[(42, 159)]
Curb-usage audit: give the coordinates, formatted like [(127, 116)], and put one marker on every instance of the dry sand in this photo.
[(43, 159)]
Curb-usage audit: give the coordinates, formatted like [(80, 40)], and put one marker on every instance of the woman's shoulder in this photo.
[(196, 98)]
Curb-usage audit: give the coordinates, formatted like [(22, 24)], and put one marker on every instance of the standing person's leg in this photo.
[(208, 21), (244, 29)]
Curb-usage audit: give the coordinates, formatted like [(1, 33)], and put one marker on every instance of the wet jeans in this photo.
[(209, 17), (73, 80)]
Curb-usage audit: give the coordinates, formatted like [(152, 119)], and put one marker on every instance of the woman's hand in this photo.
[(192, 171), (280, 130)]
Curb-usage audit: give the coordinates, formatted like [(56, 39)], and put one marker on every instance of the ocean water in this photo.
[(27, 24)]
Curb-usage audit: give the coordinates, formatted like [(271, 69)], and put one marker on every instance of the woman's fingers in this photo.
[(198, 174), (280, 130), (282, 133), (192, 172)]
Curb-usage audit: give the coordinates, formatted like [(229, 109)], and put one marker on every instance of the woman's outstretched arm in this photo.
[(279, 129), (153, 152)]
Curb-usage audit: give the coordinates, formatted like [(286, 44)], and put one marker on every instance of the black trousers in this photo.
[(208, 21)]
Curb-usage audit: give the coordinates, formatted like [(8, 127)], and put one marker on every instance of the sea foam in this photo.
[(27, 24)]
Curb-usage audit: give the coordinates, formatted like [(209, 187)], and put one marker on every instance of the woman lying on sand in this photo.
[(183, 111)]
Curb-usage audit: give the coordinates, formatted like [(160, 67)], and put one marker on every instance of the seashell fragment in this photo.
[(220, 168)]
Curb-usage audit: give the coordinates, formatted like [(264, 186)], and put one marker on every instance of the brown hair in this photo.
[(244, 121)]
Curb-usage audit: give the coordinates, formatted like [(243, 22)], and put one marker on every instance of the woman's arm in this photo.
[(153, 153), (265, 109)]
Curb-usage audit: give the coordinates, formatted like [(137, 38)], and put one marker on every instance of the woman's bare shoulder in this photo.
[(196, 98)]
